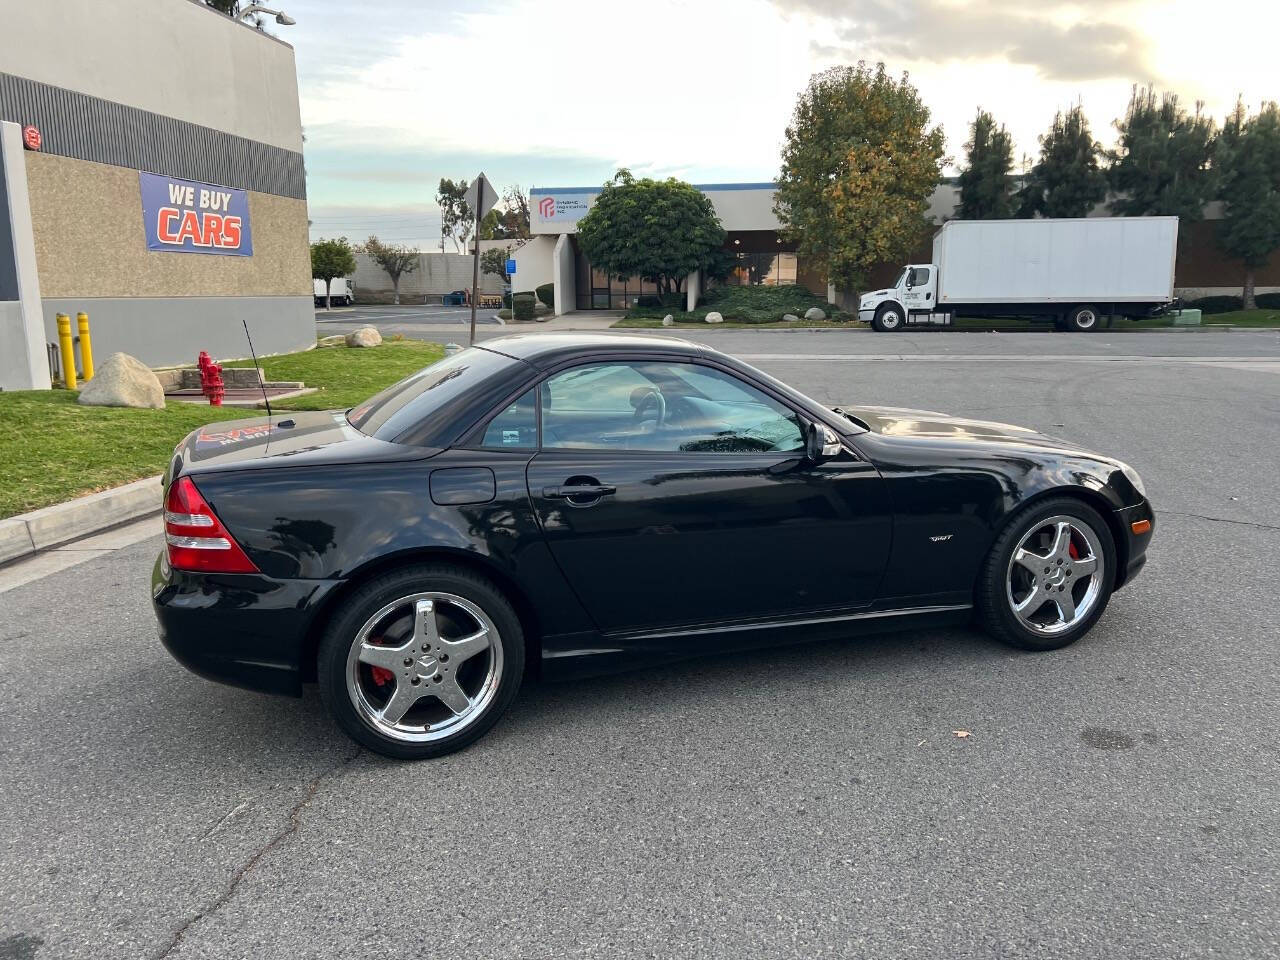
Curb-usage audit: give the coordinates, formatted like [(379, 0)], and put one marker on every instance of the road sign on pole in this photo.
[(480, 197), (511, 267)]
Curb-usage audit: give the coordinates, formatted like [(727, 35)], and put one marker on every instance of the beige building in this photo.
[(153, 178)]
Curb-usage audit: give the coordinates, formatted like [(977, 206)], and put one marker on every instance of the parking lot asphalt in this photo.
[(1119, 798)]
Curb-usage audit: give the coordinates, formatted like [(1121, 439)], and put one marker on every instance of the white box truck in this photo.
[(1074, 272), (341, 292)]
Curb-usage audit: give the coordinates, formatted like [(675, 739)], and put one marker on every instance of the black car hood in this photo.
[(928, 425), (310, 437)]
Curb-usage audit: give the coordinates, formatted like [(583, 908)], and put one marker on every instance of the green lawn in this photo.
[(53, 449), (1245, 318)]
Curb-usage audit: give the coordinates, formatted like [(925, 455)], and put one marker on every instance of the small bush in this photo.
[(522, 307), (1220, 304), (547, 294), (1268, 301), (506, 300), (746, 304), (504, 314)]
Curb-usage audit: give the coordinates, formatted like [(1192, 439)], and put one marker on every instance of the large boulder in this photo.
[(714, 317), (364, 337), (123, 381), (668, 321), (815, 313)]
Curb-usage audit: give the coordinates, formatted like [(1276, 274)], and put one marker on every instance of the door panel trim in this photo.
[(781, 623)]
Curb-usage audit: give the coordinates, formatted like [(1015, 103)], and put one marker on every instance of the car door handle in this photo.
[(578, 490)]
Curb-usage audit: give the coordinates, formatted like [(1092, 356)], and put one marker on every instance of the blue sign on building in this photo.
[(184, 216)]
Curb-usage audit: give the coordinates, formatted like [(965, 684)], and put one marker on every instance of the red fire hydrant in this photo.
[(211, 384)]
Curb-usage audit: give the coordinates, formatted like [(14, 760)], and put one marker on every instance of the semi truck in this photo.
[(1073, 272)]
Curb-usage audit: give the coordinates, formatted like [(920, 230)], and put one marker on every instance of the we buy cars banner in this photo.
[(183, 216)]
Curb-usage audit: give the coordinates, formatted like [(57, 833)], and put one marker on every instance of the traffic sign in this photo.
[(481, 197), (511, 266)]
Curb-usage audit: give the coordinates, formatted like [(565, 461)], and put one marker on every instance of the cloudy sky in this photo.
[(396, 93)]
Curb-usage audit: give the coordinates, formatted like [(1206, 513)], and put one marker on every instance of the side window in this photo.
[(515, 428), (663, 407), (919, 276)]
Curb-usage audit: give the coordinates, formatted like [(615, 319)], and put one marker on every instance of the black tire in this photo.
[(992, 595), (888, 318), (1084, 318), (369, 598)]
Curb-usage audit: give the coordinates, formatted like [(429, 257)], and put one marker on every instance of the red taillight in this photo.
[(195, 537)]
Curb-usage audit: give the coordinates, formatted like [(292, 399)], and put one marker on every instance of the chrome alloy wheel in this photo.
[(424, 667), (1055, 575)]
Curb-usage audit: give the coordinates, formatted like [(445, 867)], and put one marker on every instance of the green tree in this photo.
[(1067, 180), (456, 220), (859, 164), (660, 230), (494, 261), (395, 259), (331, 259), (986, 184), (1247, 160), (1163, 161)]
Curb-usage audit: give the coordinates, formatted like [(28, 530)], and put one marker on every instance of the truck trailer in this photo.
[(1073, 272)]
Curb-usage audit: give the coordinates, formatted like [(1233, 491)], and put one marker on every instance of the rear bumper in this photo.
[(246, 630), (1132, 554)]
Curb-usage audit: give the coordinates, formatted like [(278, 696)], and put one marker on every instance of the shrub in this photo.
[(547, 294), (749, 304), (1268, 301), (1220, 304), (506, 300), (504, 314), (522, 306)]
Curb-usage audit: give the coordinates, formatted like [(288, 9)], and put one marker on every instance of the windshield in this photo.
[(401, 407), (901, 277)]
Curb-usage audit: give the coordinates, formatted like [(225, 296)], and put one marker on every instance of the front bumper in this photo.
[(1132, 549), (243, 629), (866, 315)]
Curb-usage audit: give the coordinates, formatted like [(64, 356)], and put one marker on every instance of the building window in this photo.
[(763, 269)]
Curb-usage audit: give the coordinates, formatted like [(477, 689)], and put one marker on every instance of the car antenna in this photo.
[(265, 399)]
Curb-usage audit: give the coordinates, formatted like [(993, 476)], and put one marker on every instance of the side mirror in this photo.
[(820, 443)]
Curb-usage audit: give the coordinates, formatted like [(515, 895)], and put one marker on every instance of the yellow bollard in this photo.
[(86, 345), (68, 352)]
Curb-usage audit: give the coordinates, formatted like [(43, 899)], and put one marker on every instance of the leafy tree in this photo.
[(1162, 164), (1067, 180), (660, 230), (456, 221), (1247, 160), (986, 185), (859, 164), (396, 259), (515, 215), (494, 261), (330, 259)]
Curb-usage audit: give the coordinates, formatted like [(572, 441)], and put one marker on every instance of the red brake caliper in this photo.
[(1071, 549), (381, 675)]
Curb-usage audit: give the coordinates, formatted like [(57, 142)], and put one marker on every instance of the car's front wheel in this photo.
[(421, 661), (1048, 576)]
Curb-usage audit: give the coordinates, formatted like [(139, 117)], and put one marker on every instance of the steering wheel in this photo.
[(650, 397)]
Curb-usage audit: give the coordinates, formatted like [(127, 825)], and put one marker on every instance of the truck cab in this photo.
[(911, 301)]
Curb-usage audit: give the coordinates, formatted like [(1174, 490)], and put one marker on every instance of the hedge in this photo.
[(522, 306), (547, 294)]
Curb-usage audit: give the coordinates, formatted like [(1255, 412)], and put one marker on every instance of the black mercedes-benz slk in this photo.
[(570, 504)]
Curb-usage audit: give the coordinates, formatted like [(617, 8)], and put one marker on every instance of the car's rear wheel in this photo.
[(421, 661), (1048, 576)]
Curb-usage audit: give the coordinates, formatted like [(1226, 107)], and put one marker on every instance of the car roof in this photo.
[(546, 349)]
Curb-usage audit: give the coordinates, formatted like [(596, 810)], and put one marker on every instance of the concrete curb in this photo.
[(30, 533)]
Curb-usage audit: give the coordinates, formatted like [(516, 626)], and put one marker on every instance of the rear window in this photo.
[(404, 406)]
